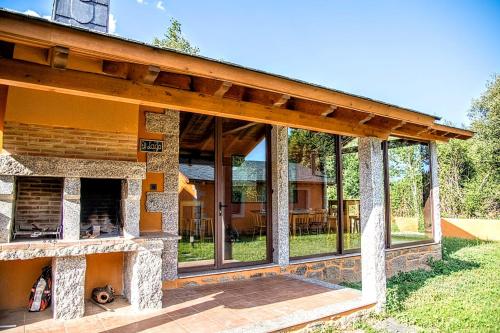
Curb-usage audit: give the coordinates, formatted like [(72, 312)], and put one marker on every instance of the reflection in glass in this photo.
[(351, 194), (409, 179), (196, 190), (312, 193), (244, 174)]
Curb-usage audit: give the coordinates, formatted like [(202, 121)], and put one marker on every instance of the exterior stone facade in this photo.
[(7, 196), (131, 207), (436, 206), (279, 149), (372, 218), (68, 287), (17, 165), (166, 202), (348, 268), (336, 269), (71, 209), (142, 280)]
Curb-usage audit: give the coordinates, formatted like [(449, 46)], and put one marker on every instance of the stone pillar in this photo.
[(280, 227), (166, 202), (7, 198), (143, 278), (372, 221), (71, 209), (436, 207), (68, 289), (131, 207)]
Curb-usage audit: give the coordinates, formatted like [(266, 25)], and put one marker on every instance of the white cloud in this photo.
[(140, 1), (159, 5), (36, 14), (112, 24), (32, 13)]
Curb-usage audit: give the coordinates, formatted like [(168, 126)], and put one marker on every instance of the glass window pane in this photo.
[(197, 190), (312, 193), (350, 186), (244, 173), (409, 179)]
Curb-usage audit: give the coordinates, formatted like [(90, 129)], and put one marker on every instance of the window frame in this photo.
[(387, 198)]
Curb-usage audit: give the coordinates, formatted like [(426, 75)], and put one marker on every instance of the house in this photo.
[(151, 169)]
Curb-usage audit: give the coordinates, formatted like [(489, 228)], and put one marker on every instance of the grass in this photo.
[(461, 293), (247, 248)]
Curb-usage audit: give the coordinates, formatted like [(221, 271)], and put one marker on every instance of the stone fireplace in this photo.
[(100, 202)]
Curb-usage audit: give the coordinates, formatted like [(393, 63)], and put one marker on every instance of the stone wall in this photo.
[(38, 140), (334, 270), (348, 268)]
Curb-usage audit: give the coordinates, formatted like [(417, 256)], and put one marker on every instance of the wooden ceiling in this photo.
[(48, 56)]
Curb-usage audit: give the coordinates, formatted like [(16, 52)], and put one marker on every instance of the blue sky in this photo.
[(432, 56)]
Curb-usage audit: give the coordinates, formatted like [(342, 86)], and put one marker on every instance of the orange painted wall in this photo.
[(16, 279), (471, 229), (4, 90), (103, 269), (47, 108), (149, 221)]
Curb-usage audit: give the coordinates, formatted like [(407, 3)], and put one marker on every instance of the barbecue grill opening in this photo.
[(38, 208), (100, 214)]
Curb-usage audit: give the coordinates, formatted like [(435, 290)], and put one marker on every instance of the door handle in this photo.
[(220, 208)]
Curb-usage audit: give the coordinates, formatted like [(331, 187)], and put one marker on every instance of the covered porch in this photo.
[(257, 305)]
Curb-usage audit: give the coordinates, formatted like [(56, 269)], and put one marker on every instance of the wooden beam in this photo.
[(222, 90), (331, 109), (58, 57), (281, 101), (15, 28), (367, 119), (144, 74), (32, 76)]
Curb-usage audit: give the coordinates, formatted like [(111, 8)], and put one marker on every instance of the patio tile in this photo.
[(240, 305)]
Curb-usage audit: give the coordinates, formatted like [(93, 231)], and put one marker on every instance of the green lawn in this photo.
[(247, 248), (461, 293)]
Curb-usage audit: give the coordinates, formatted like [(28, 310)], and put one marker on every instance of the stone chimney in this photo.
[(88, 14)]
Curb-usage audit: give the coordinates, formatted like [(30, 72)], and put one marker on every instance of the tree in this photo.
[(173, 39), (470, 170)]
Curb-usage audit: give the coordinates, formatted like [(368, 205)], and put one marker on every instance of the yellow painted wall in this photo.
[(54, 109), (103, 269), (471, 229), (16, 279)]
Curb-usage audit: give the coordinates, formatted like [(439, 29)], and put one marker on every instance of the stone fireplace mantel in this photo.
[(23, 165)]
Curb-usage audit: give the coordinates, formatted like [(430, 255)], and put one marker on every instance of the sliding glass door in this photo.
[(224, 192)]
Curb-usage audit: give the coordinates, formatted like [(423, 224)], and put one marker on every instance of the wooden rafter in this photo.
[(223, 89), (16, 29), (58, 57), (115, 68), (366, 119), (143, 74), (329, 111), (72, 82), (281, 101)]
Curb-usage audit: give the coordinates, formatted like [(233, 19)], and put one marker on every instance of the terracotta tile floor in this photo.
[(258, 305)]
